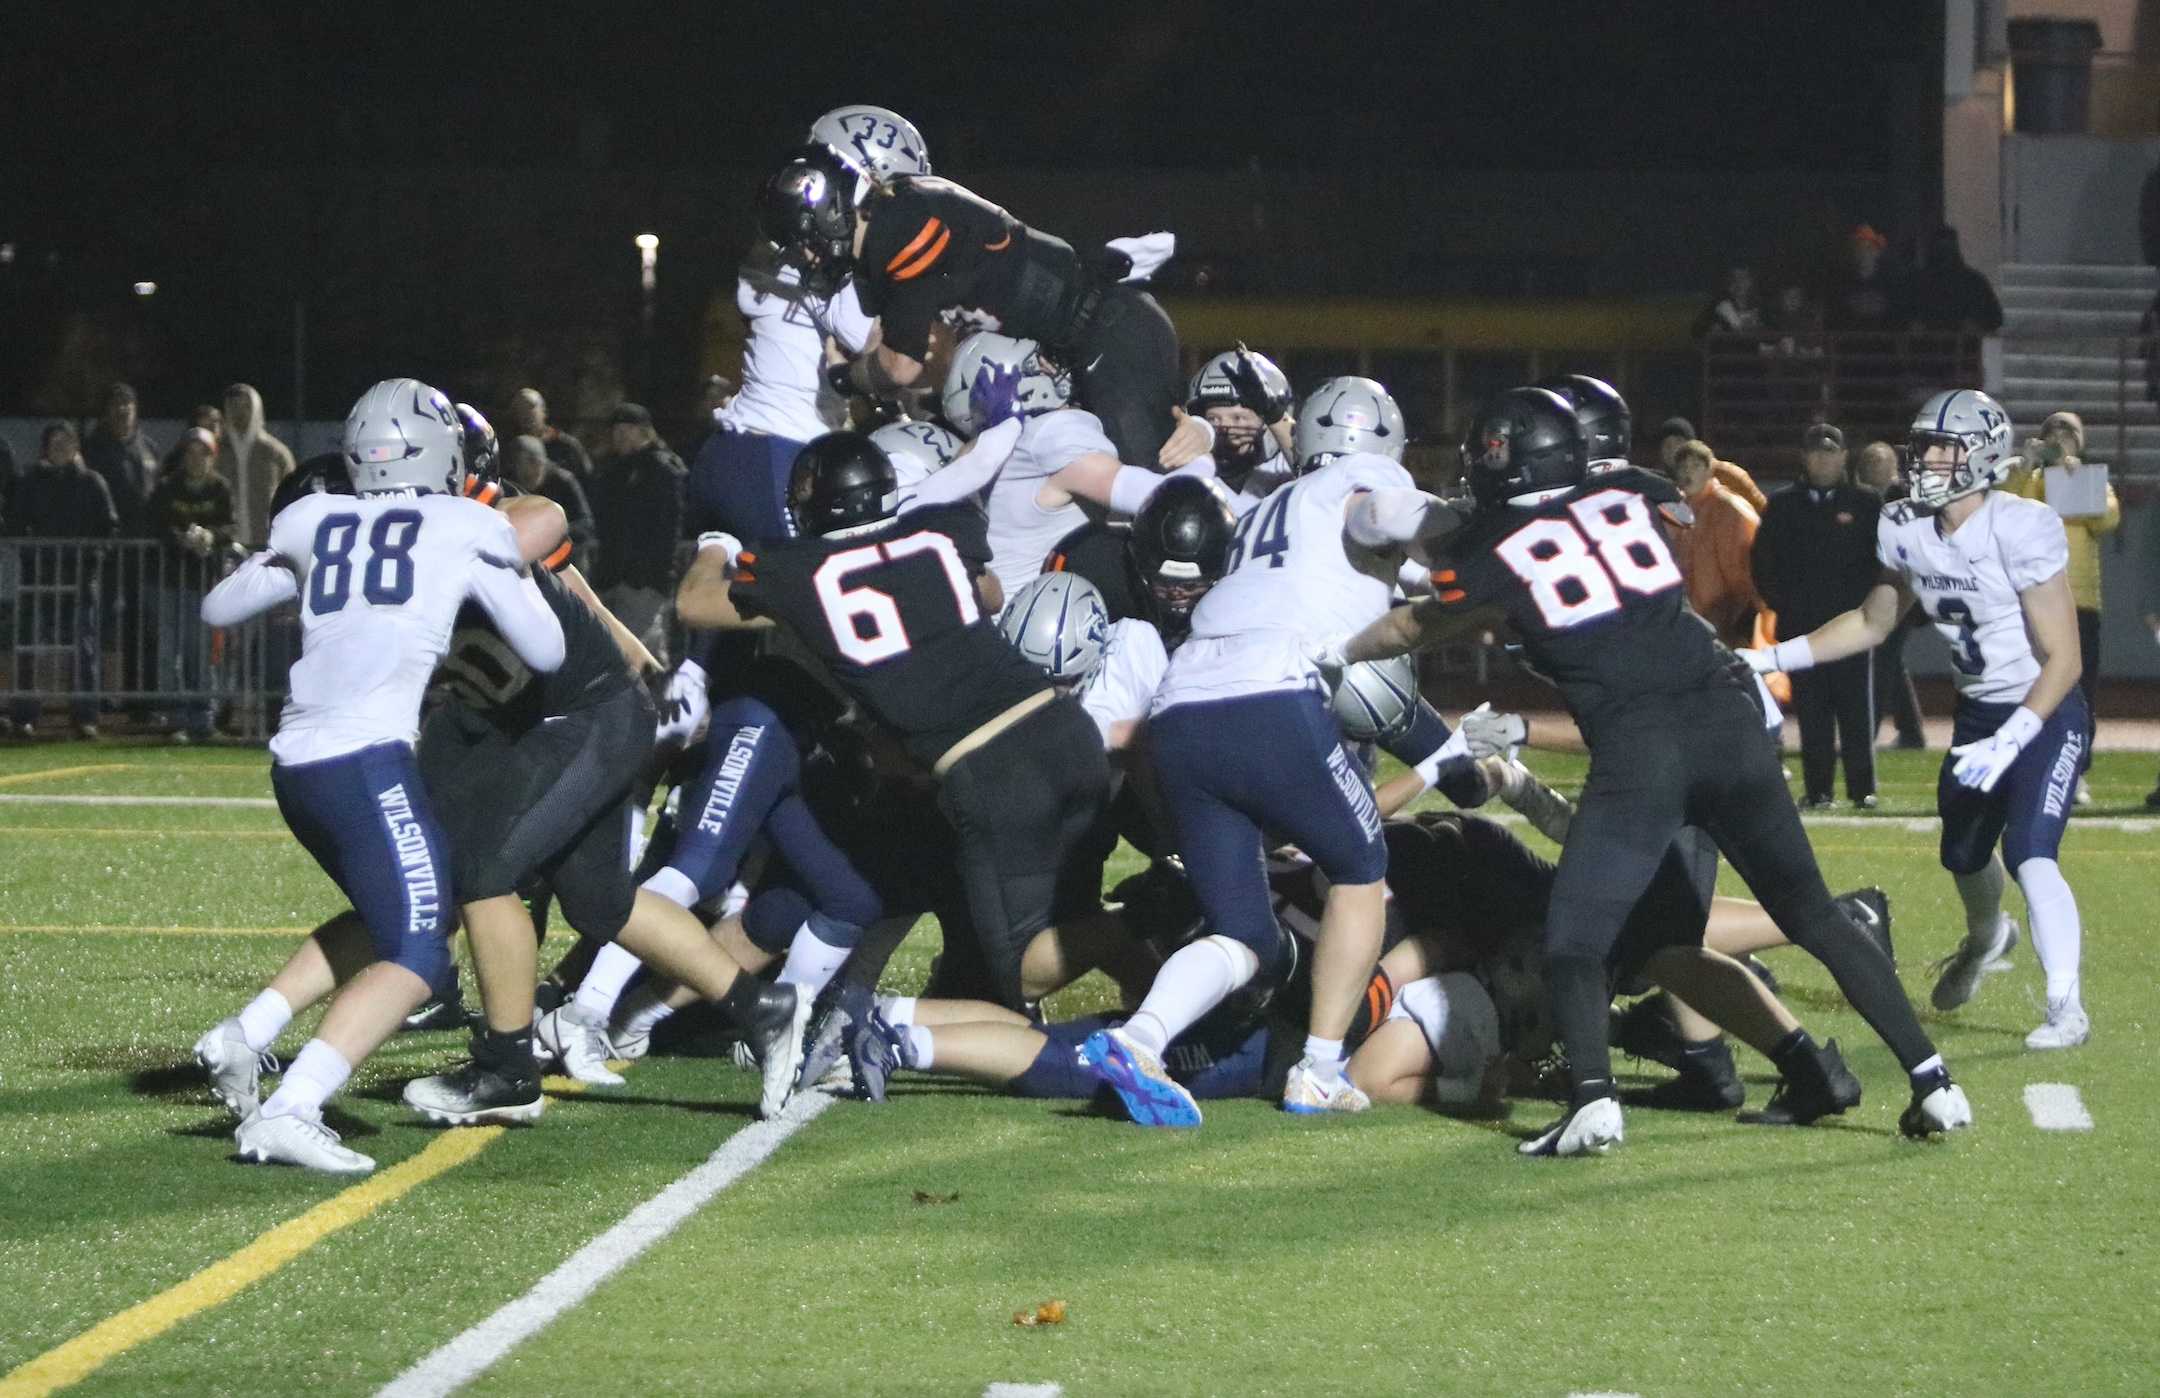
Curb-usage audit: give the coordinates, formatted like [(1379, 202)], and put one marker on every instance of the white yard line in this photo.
[(2056, 1106), (1024, 1390), (470, 1354), (233, 803)]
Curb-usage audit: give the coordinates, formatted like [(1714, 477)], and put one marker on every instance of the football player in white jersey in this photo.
[(1247, 400), (1244, 743), (379, 577), (1988, 567)]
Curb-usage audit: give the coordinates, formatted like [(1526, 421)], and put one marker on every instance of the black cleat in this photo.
[(1647, 1030), (830, 1027), (1708, 1082), (438, 1014), (773, 1028), (1817, 1086), (472, 1094), (1869, 909)]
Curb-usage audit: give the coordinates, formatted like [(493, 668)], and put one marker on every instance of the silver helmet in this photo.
[(917, 449), (880, 144), (1376, 700), (1212, 388), (1044, 386), (1347, 415), (1976, 429), (403, 435), (1058, 621)]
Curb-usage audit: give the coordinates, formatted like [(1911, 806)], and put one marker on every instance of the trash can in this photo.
[(2051, 61)]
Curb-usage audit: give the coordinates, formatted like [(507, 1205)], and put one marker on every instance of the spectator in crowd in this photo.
[(1815, 558), (61, 498), (2061, 444), (1715, 554), (191, 513), (529, 418), (1877, 472), (1948, 295), (526, 462), (1672, 434), (638, 508), (211, 419), (1863, 294), (252, 462), (1733, 311), (117, 449)]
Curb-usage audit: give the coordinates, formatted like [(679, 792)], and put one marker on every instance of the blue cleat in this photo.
[(874, 1053), (1151, 1096)]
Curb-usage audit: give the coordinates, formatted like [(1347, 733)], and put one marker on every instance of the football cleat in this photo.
[(292, 1139), (578, 1043), (626, 1047), (1938, 1106), (235, 1069), (1869, 910), (1647, 1030), (1708, 1082), (1590, 1129), (1151, 1096), (2002, 958), (473, 1094), (774, 1031), (1958, 974), (2066, 1026), (1818, 1087), (832, 1031), (873, 1052), (1306, 1093), (438, 1014)]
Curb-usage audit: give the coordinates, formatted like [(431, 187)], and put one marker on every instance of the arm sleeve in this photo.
[(968, 473), (1392, 515), (514, 604), (1132, 485), (250, 590)]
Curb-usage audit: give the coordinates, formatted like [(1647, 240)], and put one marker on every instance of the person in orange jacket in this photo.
[(1714, 556)]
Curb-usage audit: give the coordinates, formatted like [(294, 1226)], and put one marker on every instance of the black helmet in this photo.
[(840, 481), (483, 453), (807, 211), (1602, 412), (1525, 440), (1181, 546)]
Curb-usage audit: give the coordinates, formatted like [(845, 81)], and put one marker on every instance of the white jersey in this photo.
[(1969, 581), (1022, 531), (1124, 683), (1294, 578), (1460, 1023), (381, 578), (1263, 480), (784, 393)]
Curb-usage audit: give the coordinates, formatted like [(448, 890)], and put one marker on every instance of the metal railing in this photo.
[(1761, 388), (97, 627)]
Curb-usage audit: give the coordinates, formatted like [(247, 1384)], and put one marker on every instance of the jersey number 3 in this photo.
[(1576, 568), (865, 622)]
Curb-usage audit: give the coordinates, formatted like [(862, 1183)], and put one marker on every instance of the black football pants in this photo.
[(1126, 372), (1836, 707)]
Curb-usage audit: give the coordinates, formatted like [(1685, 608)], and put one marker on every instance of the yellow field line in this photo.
[(51, 773), (77, 1359), (106, 830), (118, 929)]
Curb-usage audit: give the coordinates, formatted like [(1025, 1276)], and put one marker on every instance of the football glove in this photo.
[(684, 705), (1980, 765), (1787, 656), (993, 397), (1328, 656), (1252, 394), (1491, 734)]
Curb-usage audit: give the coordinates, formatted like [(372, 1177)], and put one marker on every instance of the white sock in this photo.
[(812, 961), (1982, 894), (643, 1010), (319, 1071), (898, 1010), (917, 1049), (603, 984), (1196, 979), (1925, 1066), (1326, 1056), (2055, 931), (264, 1019)]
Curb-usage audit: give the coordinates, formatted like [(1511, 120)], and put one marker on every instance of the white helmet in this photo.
[(1376, 699), (1212, 388), (1059, 622), (1044, 387), (403, 435), (1346, 415), (917, 449), (1976, 429), (879, 144)]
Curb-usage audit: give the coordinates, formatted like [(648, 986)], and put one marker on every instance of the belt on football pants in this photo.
[(990, 730)]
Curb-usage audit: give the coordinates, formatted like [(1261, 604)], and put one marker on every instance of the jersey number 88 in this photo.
[(1576, 568)]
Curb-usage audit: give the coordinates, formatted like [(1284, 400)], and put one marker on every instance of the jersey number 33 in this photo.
[(1576, 567)]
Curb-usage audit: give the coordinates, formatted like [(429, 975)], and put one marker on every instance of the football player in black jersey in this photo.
[(1158, 566), (889, 604), (920, 247), (1579, 566)]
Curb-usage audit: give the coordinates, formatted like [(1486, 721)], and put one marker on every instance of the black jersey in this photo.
[(892, 614), (1101, 552), (1588, 581), (482, 672), (934, 247)]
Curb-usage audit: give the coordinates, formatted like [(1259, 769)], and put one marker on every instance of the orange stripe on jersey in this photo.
[(486, 492), (928, 231), (1001, 244), (1055, 563), (1444, 575), (745, 559), (923, 264), (558, 560), (1453, 594)]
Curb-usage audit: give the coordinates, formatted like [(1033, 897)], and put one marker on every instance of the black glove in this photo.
[(1252, 394)]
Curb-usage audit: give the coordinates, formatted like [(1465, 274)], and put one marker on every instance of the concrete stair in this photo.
[(2070, 342)]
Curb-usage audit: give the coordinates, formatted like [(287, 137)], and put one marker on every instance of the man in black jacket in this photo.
[(637, 500), (1815, 558), (60, 498)]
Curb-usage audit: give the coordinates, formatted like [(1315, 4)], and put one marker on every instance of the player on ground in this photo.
[(380, 579), (1988, 568), (1578, 564)]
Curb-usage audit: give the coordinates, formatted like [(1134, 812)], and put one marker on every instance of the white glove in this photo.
[(720, 539), (685, 705), (1328, 656), (1981, 765), (1789, 656), (1491, 734), (1457, 745)]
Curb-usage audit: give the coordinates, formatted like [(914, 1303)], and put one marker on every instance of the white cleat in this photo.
[(1958, 974), (1306, 1093), (235, 1069), (292, 1139), (625, 1047), (2001, 960), (783, 1060), (581, 1045), (1591, 1129), (2067, 1026)]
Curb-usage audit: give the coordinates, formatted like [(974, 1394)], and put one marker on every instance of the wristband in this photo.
[(1455, 746), (2021, 727), (1795, 654)]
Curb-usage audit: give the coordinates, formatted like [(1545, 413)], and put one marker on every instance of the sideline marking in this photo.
[(231, 803), (54, 773), (468, 1355), (78, 1358), (112, 832), (1024, 1390), (110, 929), (2056, 1106)]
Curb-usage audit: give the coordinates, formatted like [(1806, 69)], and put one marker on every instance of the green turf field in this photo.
[(885, 1250)]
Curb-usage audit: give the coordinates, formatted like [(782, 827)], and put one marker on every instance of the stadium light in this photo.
[(146, 288), (648, 248)]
